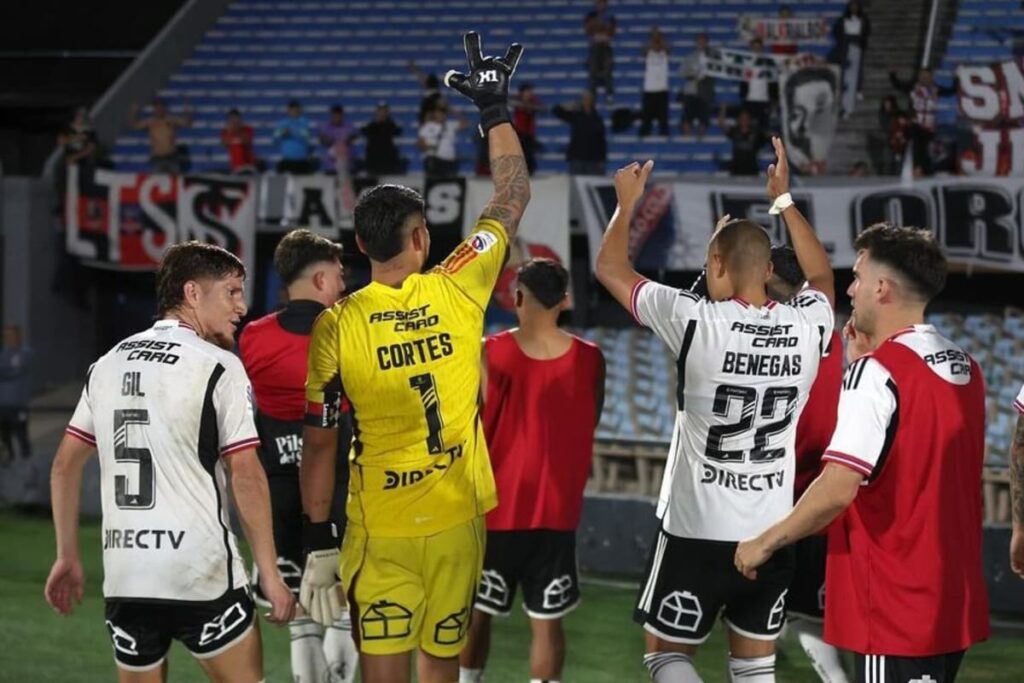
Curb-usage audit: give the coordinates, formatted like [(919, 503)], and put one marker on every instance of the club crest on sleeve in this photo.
[(482, 241)]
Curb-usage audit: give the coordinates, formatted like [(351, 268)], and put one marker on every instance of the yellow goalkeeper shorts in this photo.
[(413, 593)]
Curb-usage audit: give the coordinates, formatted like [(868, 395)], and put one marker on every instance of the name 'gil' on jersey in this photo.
[(163, 409), (743, 378)]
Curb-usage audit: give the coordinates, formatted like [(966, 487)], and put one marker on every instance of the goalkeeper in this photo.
[(405, 352)]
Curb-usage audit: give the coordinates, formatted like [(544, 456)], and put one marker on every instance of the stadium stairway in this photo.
[(260, 54)]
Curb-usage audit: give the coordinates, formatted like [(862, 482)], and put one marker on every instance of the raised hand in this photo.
[(630, 182), (488, 80), (778, 173)]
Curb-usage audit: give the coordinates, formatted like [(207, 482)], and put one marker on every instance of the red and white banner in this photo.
[(991, 98), (128, 220)]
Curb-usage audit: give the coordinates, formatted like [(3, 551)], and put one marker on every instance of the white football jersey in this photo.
[(163, 408), (744, 374)]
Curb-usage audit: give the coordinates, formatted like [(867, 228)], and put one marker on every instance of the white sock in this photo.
[(471, 675), (340, 650), (308, 663), (544, 680), (823, 656), (752, 669), (671, 667)]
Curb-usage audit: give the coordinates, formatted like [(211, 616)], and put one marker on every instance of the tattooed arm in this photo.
[(1017, 498), (511, 179)]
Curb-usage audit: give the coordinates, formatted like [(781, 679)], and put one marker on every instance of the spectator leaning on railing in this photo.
[(747, 140), (294, 138), (381, 152), (588, 149), (437, 140), (336, 137), (851, 32), (164, 154), (237, 136), (524, 119), (924, 100)]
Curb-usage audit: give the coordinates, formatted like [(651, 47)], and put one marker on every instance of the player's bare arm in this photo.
[(486, 86), (811, 255), (829, 494), (66, 582), (1017, 498), (317, 472), (252, 502), (614, 269)]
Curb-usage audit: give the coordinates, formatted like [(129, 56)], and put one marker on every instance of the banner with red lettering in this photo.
[(991, 99), (125, 221)]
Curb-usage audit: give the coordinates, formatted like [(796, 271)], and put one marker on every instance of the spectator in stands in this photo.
[(747, 140), (432, 96), (859, 169), (82, 150), (15, 392), (600, 26), (851, 32), (336, 136), (524, 117), (924, 100), (588, 149), (698, 90), (655, 99), (755, 90), (237, 137), (294, 138), (165, 155), (784, 46), (894, 127), (381, 152), (437, 140)]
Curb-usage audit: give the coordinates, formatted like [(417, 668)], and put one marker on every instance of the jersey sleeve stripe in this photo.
[(1019, 406), (853, 462), (80, 434), (240, 446), (632, 298)]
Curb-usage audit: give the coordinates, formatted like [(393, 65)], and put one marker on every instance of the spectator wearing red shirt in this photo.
[(524, 119), (900, 492), (543, 393), (236, 137)]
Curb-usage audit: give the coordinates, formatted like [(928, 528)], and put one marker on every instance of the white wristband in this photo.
[(782, 202)]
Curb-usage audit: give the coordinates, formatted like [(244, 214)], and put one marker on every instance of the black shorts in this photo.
[(689, 581), (888, 669), (806, 597), (141, 632), (542, 560), (286, 514)]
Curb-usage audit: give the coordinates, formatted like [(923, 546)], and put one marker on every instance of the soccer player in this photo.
[(543, 393), (805, 601), (1017, 490), (745, 364), (274, 350), (405, 352), (170, 413), (904, 580)]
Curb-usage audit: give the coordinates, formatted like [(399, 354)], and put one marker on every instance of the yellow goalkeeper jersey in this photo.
[(407, 359)]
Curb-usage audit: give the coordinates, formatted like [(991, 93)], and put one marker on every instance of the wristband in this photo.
[(781, 203), (319, 535), (492, 116)]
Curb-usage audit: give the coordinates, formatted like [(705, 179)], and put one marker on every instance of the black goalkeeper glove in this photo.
[(487, 82)]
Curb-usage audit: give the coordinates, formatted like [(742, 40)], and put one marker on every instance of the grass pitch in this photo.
[(604, 646)]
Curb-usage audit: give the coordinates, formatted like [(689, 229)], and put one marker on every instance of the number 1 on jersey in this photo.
[(424, 384)]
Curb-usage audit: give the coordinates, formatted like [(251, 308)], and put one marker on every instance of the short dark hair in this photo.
[(546, 279), (743, 243), (337, 108), (911, 252), (234, 112), (191, 261), (294, 104), (380, 215), (786, 266), (300, 249), (810, 74)]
